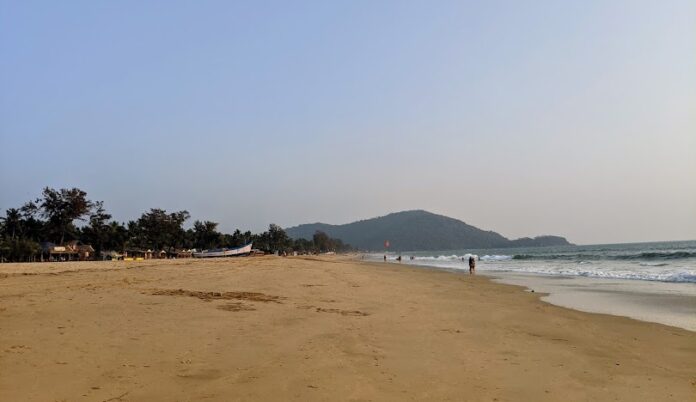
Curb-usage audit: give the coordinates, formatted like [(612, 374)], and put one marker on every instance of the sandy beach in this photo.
[(272, 328)]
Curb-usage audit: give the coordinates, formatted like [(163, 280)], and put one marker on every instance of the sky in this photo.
[(527, 118)]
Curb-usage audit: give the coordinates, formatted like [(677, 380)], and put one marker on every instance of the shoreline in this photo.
[(667, 303), (671, 304), (308, 328)]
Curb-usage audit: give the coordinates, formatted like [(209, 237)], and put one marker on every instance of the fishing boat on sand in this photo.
[(224, 252)]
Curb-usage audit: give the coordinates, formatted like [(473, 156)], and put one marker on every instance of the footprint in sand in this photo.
[(342, 312), (236, 307)]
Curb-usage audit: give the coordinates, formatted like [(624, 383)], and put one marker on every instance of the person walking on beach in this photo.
[(472, 265)]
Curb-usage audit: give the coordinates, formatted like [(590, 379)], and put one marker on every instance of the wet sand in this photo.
[(662, 302), (316, 329)]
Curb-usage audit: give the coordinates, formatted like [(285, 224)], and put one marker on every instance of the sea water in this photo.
[(648, 281)]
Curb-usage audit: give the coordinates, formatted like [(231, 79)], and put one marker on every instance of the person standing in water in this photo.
[(472, 265)]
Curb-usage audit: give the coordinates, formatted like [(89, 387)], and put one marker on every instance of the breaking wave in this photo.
[(455, 257), (496, 257), (653, 255)]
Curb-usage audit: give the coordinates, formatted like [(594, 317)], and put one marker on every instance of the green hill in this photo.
[(417, 230)]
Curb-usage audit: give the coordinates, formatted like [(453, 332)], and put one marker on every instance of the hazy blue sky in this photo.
[(572, 118)]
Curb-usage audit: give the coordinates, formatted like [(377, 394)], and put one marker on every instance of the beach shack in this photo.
[(111, 255), (71, 251), (137, 254), (176, 253), (85, 252)]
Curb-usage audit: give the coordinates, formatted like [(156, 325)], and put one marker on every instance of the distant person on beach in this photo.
[(472, 264), (385, 258), (398, 258)]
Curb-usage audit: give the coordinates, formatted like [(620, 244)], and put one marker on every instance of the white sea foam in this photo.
[(452, 257), (496, 257), (661, 275)]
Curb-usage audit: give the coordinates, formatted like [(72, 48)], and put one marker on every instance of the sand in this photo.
[(302, 329)]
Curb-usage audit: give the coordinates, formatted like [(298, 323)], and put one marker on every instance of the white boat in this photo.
[(224, 252)]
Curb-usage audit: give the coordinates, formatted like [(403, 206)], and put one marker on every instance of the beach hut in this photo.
[(111, 255), (84, 252), (175, 253), (137, 254), (71, 250)]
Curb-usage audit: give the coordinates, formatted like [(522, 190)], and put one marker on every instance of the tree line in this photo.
[(63, 215)]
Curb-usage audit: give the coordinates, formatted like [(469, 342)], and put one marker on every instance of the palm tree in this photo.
[(12, 221)]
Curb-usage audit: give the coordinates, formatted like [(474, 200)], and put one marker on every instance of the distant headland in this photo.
[(418, 230)]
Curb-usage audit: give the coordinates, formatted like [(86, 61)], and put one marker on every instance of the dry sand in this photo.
[(316, 329)]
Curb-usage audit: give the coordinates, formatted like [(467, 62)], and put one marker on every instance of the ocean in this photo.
[(648, 281), (663, 261)]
